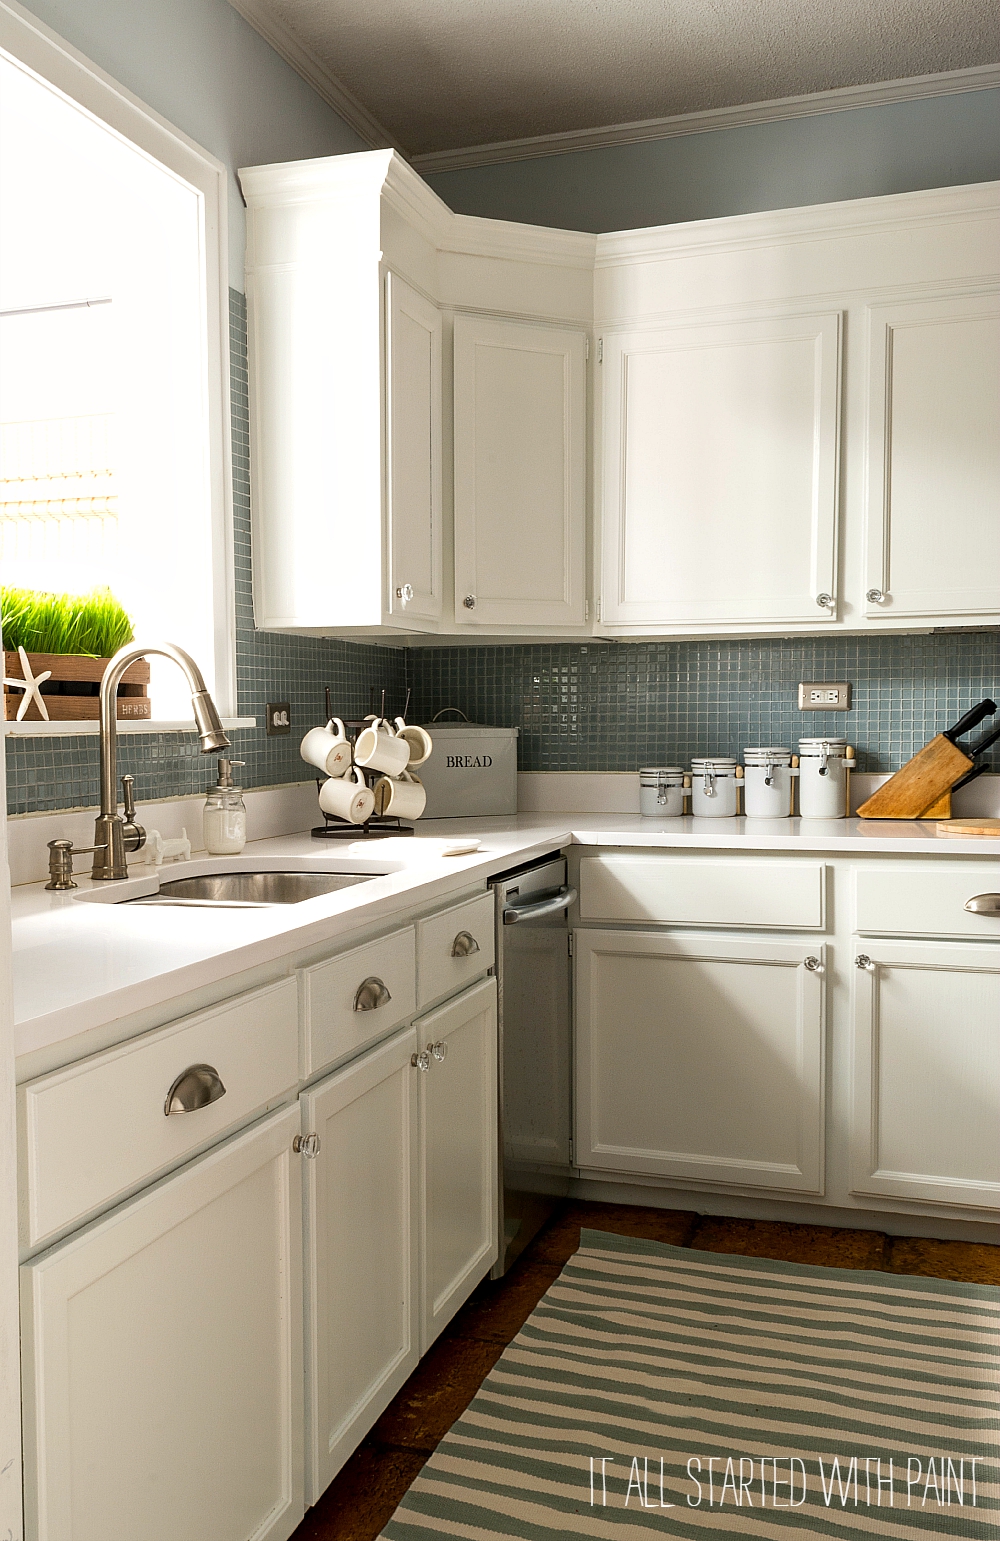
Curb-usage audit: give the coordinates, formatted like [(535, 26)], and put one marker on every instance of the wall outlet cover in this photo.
[(279, 717), (825, 697)]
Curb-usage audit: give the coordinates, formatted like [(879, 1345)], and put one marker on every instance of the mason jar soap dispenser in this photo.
[(225, 825)]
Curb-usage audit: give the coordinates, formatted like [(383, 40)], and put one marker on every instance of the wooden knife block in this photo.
[(921, 789)]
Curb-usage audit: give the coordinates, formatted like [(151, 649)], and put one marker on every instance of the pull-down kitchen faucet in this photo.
[(110, 828)]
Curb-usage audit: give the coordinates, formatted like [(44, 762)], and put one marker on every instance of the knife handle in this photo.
[(971, 720)]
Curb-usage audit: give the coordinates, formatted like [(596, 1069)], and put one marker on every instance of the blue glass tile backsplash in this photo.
[(580, 706), (621, 705)]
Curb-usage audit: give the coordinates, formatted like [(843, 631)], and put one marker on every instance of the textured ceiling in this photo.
[(443, 74)]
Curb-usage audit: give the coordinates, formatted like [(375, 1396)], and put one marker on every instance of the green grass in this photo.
[(93, 625)]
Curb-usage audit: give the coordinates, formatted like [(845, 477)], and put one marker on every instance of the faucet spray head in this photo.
[(209, 723)]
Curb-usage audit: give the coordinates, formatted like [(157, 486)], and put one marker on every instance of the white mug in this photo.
[(328, 751), (419, 740), (348, 797), (377, 748), (402, 799)]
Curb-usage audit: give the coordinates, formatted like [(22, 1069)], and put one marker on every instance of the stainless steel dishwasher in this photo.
[(533, 994)]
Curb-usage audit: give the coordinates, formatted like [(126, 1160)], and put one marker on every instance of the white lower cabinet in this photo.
[(362, 1280), (162, 1358), (457, 1151), (926, 1072), (701, 1057)]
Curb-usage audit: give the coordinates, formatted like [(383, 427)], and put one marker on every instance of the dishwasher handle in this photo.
[(513, 914)]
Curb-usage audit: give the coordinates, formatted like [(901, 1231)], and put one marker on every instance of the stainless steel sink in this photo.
[(252, 890)]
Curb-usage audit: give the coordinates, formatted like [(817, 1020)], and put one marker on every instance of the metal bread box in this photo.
[(472, 770)]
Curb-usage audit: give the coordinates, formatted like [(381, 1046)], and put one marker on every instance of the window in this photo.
[(113, 358)]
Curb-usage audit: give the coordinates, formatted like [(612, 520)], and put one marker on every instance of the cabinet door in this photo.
[(162, 1358), (720, 473), (520, 472), (458, 1151), (413, 453), (362, 1289), (933, 458), (701, 1058), (926, 1072)]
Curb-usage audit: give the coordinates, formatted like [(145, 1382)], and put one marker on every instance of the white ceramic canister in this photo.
[(823, 778), (661, 792), (768, 781), (713, 788)]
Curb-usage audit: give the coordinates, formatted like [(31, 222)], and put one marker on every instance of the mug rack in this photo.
[(378, 826)]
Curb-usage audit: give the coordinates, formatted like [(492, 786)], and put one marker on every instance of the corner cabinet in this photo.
[(721, 449), (520, 474)]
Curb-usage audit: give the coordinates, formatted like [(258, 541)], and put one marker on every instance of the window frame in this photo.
[(31, 44)]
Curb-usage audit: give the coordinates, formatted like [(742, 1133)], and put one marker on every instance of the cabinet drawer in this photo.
[(767, 895), (454, 948), (339, 1021), (926, 899), (97, 1130)]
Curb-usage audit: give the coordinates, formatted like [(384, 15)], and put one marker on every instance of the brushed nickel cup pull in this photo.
[(826, 601), (421, 1061), (194, 1088), (307, 1145), (464, 945), (814, 965), (439, 1050), (371, 994), (983, 904), (876, 596), (863, 961)]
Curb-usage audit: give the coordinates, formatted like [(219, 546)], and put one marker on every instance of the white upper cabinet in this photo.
[(413, 452), (720, 473), (933, 457), (520, 474)]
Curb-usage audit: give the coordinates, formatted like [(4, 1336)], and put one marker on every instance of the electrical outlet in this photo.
[(825, 697), (279, 717)]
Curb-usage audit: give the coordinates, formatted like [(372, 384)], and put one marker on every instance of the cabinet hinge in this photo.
[(572, 1154), (598, 609), (586, 609), (586, 347), (569, 942), (600, 350)]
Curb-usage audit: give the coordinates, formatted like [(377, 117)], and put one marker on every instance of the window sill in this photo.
[(79, 729)]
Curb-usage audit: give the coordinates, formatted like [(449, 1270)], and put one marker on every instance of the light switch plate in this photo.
[(825, 697)]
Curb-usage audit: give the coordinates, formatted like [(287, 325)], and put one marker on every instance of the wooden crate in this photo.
[(133, 698)]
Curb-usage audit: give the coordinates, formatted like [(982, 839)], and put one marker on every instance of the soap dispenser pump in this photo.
[(225, 825)]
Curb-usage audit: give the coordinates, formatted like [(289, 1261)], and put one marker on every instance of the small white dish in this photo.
[(460, 847)]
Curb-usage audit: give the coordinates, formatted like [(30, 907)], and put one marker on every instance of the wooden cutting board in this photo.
[(969, 827), (917, 790)]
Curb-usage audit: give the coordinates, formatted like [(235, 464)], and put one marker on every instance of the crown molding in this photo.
[(824, 221), (305, 63), (981, 78), (820, 221)]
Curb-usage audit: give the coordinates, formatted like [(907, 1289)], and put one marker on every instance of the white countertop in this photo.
[(82, 961)]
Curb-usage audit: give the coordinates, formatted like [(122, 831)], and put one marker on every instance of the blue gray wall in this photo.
[(860, 152)]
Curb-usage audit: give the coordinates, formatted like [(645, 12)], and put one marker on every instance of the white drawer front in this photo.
[(770, 895), (338, 1023), (97, 1130), (926, 899), (454, 948)]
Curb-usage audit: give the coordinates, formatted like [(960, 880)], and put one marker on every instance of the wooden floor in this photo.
[(357, 1504)]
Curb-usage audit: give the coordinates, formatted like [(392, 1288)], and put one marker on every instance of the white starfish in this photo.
[(30, 685)]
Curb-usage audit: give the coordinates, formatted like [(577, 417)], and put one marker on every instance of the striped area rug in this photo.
[(661, 1390)]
